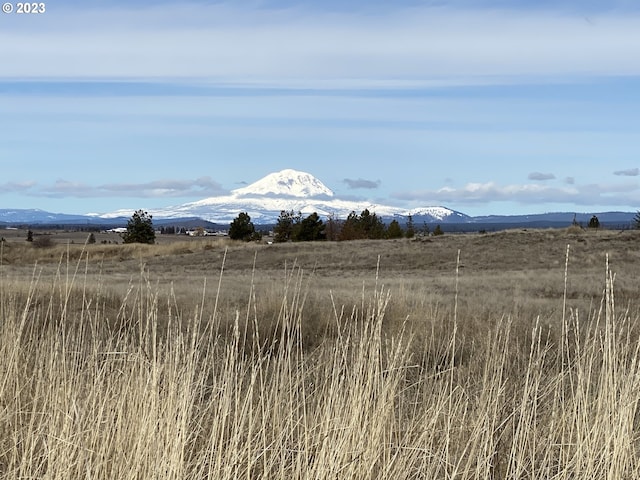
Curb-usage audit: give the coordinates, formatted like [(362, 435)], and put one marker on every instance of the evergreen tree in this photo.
[(350, 228), (394, 230), (371, 225), (242, 228), (636, 220), (411, 231), (29, 236), (140, 228), (438, 230), (594, 222), (309, 229), (285, 225), (365, 225)]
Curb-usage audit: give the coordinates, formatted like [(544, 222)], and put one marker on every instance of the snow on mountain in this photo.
[(267, 209), (438, 213), (288, 190), (35, 215), (263, 200), (291, 190), (288, 182)]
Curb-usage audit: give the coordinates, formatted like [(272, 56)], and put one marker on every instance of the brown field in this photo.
[(505, 355)]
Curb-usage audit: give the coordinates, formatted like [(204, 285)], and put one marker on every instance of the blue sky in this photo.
[(486, 107)]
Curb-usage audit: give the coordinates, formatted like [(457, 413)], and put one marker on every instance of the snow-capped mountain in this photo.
[(263, 200), (35, 215), (291, 190), (438, 214), (286, 190), (287, 183)]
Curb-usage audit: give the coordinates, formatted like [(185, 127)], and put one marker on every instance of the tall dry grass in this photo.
[(147, 390), (21, 252)]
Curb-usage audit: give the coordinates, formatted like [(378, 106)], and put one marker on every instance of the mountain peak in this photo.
[(286, 183)]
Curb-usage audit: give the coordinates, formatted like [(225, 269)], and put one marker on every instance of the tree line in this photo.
[(293, 227)]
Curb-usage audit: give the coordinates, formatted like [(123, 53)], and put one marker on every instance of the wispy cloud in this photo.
[(530, 194), (570, 180), (541, 176), (17, 187), (631, 172), (299, 46), (170, 188), (361, 183), (203, 186)]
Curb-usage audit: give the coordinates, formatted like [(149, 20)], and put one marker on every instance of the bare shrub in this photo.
[(575, 229), (42, 241)]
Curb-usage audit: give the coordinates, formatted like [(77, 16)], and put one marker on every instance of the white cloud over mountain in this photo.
[(152, 189)]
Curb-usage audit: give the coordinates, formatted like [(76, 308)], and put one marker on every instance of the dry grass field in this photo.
[(505, 355)]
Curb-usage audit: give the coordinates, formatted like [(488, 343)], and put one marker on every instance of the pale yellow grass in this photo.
[(152, 390)]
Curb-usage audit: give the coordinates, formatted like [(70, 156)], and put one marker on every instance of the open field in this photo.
[(460, 356), (499, 273)]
